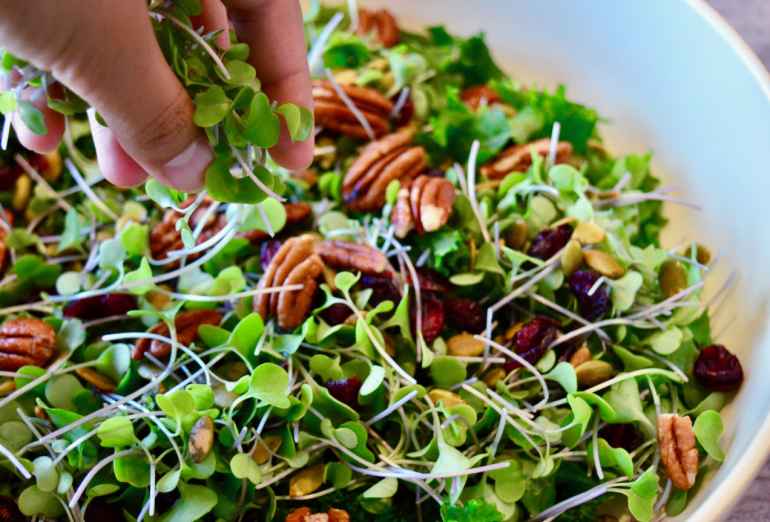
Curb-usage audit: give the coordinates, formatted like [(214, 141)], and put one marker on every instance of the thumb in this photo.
[(107, 53)]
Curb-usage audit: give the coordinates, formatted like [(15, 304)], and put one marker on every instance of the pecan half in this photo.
[(381, 22), (24, 341), (186, 324), (165, 238), (678, 452), (425, 205), (351, 256), (296, 213), (331, 112), (295, 263), (518, 158), (391, 158), (304, 514)]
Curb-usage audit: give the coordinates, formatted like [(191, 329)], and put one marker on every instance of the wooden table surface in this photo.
[(751, 18)]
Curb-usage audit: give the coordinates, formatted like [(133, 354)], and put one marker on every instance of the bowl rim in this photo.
[(748, 465)]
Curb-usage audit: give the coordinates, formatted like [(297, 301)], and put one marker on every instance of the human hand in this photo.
[(106, 52)]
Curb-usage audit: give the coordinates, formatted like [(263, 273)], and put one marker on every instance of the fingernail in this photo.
[(185, 172)]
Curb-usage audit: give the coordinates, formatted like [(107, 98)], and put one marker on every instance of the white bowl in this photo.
[(674, 78)]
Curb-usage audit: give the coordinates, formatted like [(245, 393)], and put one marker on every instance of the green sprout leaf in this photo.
[(194, 502), (32, 117), (211, 107), (641, 497), (385, 488), (116, 432), (708, 429), (243, 466), (270, 384)]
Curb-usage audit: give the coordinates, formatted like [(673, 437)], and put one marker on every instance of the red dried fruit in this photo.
[(9, 511), (473, 96), (432, 317), (383, 287), (267, 252), (549, 241), (345, 390), (591, 306), (624, 436), (465, 314), (532, 340), (717, 369), (336, 313), (430, 281), (98, 306)]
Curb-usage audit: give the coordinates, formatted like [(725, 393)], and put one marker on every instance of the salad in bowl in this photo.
[(461, 311)]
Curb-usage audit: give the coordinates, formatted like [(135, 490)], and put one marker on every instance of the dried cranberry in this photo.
[(624, 436), (8, 176), (432, 317), (336, 313), (549, 241), (9, 511), (384, 287), (464, 314), (532, 341), (267, 252), (98, 306), (345, 390), (591, 306), (717, 369), (407, 109), (430, 280)]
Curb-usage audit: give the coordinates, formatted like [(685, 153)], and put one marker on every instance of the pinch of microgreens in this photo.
[(350, 104), (88, 191)]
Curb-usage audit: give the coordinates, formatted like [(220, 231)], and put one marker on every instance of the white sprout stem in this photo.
[(595, 449), (596, 285), (400, 103), (655, 397), (674, 367), (16, 462), (522, 361), (567, 313), (472, 157), (504, 414), (177, 254), (418, 302), (572, 502), (317, 49), (553, 144), (615, 380), (73, 170), (253, 177), (32, 173), (498, 437), (350, 104), (200, 41), (231, 297), (390, 409), (6, 131), (92, 473), (265, 220), (517, 292), (353, 12), (664, 496), (162, 338)]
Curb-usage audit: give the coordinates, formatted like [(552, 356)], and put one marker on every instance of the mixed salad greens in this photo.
[(516, 358)]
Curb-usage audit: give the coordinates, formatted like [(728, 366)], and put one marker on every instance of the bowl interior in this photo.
[(672, 78)]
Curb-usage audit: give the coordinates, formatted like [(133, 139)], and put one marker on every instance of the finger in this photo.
[(115, 164), (108, 54), (54, 123), (213, 17), (273, 29)]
